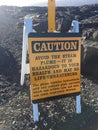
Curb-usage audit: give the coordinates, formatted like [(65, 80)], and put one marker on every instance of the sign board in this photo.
[(54, 65)]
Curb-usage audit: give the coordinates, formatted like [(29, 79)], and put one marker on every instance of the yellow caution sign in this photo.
[(54, 65)]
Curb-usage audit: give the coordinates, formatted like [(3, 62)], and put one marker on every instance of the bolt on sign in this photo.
[(54, 65)]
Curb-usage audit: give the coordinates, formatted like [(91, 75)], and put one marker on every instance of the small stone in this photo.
[(13, 122), (92, 100)]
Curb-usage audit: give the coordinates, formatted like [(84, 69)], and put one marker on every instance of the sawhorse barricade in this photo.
[(25, 67)]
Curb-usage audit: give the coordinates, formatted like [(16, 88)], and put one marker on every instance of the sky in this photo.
[(45, 2)]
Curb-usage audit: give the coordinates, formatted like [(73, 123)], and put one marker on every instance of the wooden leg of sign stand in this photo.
[(34, 109), (78, 104), (35, 106), (35, 112), (26, 30), (75, 24), (24, 53)]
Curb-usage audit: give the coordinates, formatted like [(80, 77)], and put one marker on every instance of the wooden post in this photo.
[(51, 15)]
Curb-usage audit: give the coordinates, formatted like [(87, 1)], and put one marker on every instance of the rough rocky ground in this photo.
[(15, 105)]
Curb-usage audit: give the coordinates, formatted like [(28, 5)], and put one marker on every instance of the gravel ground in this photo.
[(60, 114)]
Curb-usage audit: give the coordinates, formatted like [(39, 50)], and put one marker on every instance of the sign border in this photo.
[(56, 97), (35, 35)]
